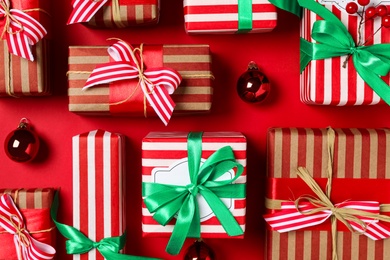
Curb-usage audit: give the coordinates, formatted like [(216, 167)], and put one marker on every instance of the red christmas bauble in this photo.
[(22, 144), (363, 2), (381, 10), (352, 8), (386, 21), (199, 251), (253, 86), (371, 12)]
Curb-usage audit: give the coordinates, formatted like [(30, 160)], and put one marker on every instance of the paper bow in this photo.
[(165, 201), (78, 243), (13, 222), (84, 10), (20, 30), (156, 83)]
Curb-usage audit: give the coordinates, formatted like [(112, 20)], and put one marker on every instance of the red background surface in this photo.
[(277, 54)]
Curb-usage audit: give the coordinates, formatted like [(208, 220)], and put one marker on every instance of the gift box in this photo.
[(350, 167), (125, 98), (165, 162), (26, 75), (338, 80), (98, 187), (34, 207), (115, 13), (234, 16)]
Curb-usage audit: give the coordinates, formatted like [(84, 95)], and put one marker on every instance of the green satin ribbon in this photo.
[(245, 13), (166, 201), (78, 243), (291, 6), (334, 40)]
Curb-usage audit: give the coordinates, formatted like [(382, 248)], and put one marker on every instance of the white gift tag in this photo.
[(341, 4), (177, 174)]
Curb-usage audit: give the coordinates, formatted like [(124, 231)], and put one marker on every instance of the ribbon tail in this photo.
[(84, 10), (291, 6), (18, 44), (306, 54)]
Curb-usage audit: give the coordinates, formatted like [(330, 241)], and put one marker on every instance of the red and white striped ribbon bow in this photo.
[(26, 246), (290, 219), (156, 83), (84, 10), (20, 30)]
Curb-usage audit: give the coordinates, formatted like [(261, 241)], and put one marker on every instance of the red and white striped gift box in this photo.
[(361, 172), (98, 186), (131, 12), (326, 82), (194, 94), (221, 16), (160, 150)]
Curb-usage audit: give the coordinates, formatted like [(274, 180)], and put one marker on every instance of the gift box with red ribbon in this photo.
[(26, 228), (206, 170), (115, 13), (24, 49), (328, 194), (136, 88), (343, 68), (236, 16)]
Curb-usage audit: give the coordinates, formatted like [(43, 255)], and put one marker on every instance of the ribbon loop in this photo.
[(183, 199), (20, 31), (13, 222), (156, 83)]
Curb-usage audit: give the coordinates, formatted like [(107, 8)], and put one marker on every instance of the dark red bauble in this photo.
[(363, 2), (22, 144), (253, 86), (352, 8), (381, 10), (371, 12), (199, 251), (386, 21)]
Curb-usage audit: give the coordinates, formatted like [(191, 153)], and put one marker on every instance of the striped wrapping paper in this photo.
[(20, 77), (161, 150), (361, 171), (132, 13), (326, 82), (30, 202), (194, 94), (221, 16), (98, 187)]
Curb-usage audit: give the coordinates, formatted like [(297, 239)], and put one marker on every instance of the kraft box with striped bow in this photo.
[(98, 187), (26, 228), (232, 16), (125, 97), (115, 13), (328, 193), (346, 78), (166, 163), (24, 70)]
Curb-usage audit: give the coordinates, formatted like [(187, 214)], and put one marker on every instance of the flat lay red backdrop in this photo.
[(277, 54)]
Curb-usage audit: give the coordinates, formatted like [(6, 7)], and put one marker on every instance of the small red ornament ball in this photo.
[(381, 10), (22, 144), (371, 12), (352, 8), (199, 251), (253, 86), (386, 21), (363, 2)]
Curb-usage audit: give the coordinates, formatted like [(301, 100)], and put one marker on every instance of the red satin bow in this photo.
[(84, 10), (26, 246), (20, 30), (156, 83)]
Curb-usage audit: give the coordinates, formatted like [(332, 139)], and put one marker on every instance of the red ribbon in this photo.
[(156, 83), (20, 30), (13, 222), (84, 10)]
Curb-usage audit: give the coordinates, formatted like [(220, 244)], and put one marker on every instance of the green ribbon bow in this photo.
[(168, 200), (245, 19), (78, 243), (334, 40), (291, 6)]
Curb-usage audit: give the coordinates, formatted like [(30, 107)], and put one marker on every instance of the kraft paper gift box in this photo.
[(123, 98), (336, 81), (116, 13), (358, 161), (26, 76), (34, 207), (165, 161), (233, 16)]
